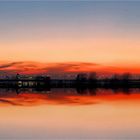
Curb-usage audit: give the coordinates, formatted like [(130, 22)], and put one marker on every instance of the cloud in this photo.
[(71, 67), (60, 69), (4, 101), (9, 65), (44, 68)]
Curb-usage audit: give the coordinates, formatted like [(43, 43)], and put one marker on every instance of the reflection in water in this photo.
[(70, 114), (32, 97)]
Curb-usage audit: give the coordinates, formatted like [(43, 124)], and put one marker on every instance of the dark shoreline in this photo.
[(63, 83), (78, 91)]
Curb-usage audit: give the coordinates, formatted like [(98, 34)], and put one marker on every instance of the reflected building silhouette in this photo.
[(35, 96), (79, 91)]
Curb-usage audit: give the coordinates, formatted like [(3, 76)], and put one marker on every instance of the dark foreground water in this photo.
[(70, 115)]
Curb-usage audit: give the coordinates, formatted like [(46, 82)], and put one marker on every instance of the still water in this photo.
[(67, 114)]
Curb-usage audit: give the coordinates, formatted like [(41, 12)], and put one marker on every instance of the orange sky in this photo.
[(107, 50), (106, 34), (62, 69)]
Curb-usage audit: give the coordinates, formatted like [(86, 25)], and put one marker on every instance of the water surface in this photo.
[(68, 114)]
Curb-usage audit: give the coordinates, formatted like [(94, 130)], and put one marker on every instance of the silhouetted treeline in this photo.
[(81, 81), (115, 81)]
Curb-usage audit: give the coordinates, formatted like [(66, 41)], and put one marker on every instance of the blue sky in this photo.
[(103, 32)]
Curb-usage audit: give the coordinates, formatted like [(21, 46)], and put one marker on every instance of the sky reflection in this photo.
[(66, 114), (31, 97)]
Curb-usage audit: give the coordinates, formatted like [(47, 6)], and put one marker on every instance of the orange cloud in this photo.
[(9, 68)]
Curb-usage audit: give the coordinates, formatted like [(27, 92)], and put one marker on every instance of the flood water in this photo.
[(67, 114)]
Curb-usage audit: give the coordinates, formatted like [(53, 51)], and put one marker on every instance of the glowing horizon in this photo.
[(105, 33)]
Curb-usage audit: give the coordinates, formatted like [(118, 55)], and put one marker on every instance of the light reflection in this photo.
[(67, 114), (32, 97)]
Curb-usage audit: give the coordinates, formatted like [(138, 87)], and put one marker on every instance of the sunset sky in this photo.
[(60, 34)]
